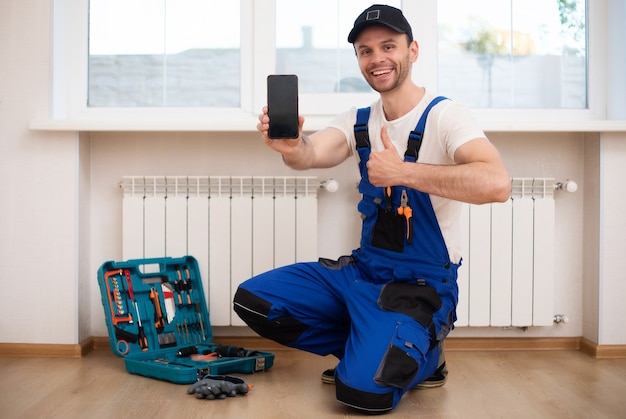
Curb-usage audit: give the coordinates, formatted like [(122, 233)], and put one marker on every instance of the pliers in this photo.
[(405, 209)]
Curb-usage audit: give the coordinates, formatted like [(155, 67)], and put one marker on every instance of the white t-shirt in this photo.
[(448, 126)]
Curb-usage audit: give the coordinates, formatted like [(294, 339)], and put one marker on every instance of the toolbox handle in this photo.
[(154, 268), (151, 267)]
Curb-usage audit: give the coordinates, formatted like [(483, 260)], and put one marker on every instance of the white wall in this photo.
[(38, 180), (612, 284), (61, 208), (591, 237)]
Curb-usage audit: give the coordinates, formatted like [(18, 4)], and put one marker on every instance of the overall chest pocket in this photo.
[(389, 230)]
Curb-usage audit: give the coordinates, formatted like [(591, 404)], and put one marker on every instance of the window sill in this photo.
[(313, 123), (240, 124), (554, 126)]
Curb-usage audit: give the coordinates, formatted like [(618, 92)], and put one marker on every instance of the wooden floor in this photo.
[(527, 384)]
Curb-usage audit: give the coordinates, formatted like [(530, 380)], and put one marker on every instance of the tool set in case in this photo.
[(157, 319)]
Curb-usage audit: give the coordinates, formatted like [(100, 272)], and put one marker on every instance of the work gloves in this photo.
[(218, 387)]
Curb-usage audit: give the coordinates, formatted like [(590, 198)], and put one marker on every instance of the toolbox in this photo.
[(157, 320)]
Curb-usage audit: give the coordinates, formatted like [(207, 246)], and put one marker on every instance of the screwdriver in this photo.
[(177, 288), (187, 286), (200, 320), (388, 202), (143, 340)]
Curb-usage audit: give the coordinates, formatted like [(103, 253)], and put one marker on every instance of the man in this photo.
[(384, 310)]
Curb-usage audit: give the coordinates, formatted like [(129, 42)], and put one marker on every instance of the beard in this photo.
[(401, 71)]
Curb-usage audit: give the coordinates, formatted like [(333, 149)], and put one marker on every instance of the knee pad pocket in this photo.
[(255, 312), (401, 362), (417, 300)]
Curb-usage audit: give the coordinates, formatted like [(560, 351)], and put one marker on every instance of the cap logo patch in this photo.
[(373, 15)]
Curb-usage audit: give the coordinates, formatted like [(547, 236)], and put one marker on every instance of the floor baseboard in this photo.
[(513, 344), (258, 343), (41, 350), (602, 351)]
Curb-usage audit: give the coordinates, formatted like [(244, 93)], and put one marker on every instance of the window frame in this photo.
[(258, 56), (70, 75)]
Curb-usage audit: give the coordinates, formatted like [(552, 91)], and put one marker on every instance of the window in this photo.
[(311, 41), (164, 53), (513, 54), (175, 61)]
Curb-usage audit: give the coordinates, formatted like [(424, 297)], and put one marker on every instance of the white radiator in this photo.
[(236, 227), (507, 274)]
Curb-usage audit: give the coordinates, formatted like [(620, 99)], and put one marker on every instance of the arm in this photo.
[(323, 149), (478, 177)]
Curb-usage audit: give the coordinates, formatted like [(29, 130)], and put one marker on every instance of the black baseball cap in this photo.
[(380, 14)]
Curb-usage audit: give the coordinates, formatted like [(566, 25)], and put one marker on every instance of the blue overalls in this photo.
[(382, 310)]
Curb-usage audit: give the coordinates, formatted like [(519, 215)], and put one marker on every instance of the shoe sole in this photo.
[(424, 385), (328, 380)]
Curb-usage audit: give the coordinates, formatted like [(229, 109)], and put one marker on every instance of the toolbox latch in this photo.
[(202, 372), (259, 364)]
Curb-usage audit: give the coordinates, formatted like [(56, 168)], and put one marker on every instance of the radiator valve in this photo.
[(561, 318), (331, 185), (567, 186)]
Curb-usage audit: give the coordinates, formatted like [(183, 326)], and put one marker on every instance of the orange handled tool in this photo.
[(143, 340), (177, 288), (388, 202), (187, 286), (405, 209), (159, 321)]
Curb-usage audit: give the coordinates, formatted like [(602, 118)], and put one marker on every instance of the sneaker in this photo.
[(438, 378), (328, 376)]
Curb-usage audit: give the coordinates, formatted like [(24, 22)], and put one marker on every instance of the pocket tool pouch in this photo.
[(389, 229)]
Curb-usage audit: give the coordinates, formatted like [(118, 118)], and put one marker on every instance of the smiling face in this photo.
[(385, 57)]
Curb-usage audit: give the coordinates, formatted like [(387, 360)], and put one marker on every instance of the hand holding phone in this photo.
[(282, 106)]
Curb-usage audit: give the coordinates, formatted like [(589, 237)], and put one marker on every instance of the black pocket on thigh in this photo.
[(417, 300), (398, 369), (389, 231), (400, 364)]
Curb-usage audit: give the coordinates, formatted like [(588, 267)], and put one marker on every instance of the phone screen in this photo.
[(282, 105)]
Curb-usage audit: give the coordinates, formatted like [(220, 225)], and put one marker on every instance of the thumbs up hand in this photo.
[(384, 166)]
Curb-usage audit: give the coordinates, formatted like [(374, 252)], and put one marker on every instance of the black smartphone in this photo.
[(282, 105)]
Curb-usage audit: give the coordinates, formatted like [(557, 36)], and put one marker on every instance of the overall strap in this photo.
[(360, 128), (415, 137)]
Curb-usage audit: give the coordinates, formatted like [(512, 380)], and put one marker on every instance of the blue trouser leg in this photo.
[(334, 311), (299, 305), (375, 371)]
